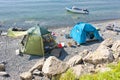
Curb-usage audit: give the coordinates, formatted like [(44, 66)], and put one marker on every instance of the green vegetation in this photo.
[(114, 74), (68, 75), (56, 77), (102, 76)]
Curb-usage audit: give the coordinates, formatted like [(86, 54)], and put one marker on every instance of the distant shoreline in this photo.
[(4, 25), (105, 20), (93, 22)]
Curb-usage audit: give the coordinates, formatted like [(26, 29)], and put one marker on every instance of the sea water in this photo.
[(52, 13)]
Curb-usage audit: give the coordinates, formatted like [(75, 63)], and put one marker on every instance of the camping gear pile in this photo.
[(113, 27), (38, 40)]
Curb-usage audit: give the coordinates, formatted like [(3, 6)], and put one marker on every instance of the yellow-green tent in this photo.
[(33, 42)]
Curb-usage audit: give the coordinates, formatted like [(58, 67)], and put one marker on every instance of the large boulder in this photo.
[(26, 76), (108, 42), (101, 55), (84, 53), (116, 46), (78, 70), (2, 67), (116, 49), (53, 66), (89, 68), (77, 59), (38, 65)]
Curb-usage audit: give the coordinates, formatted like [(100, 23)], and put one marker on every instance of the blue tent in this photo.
[(81, 31)]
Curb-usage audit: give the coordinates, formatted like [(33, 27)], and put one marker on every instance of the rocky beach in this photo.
[(15, 65)]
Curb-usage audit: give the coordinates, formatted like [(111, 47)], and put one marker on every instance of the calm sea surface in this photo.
[(52, 13)]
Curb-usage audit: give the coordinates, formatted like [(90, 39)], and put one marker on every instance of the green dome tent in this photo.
[(33, 42)]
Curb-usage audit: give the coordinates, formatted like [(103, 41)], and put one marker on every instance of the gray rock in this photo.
[(103, 69), (38, 65), (84, 53), (108, 42), (116, 56), (100, 66), (3, 73), (2, 67), (36, 78), (89, 68), (26, 76), (37, 72), (77, 59), (41, 78), (53, 66), (116, 46), (101, 55), (116, 50), (78, 70)]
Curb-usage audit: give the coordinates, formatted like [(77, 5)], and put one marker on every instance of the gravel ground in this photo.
[(17, 64), (14, 64)]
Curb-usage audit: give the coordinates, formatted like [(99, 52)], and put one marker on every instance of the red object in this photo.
[(59, 45)]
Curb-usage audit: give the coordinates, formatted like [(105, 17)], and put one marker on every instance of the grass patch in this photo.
[(68, 75), (114, 74), (101, 76)]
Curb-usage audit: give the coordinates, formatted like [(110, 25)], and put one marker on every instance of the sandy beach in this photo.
[(16, 64)]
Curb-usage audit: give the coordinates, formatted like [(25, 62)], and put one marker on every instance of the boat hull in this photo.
[(77, 11)]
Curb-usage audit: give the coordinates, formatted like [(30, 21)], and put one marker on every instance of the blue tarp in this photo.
[(81, 30)]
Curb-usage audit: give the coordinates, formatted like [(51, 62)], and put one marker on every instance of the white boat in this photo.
[(77, 10)]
